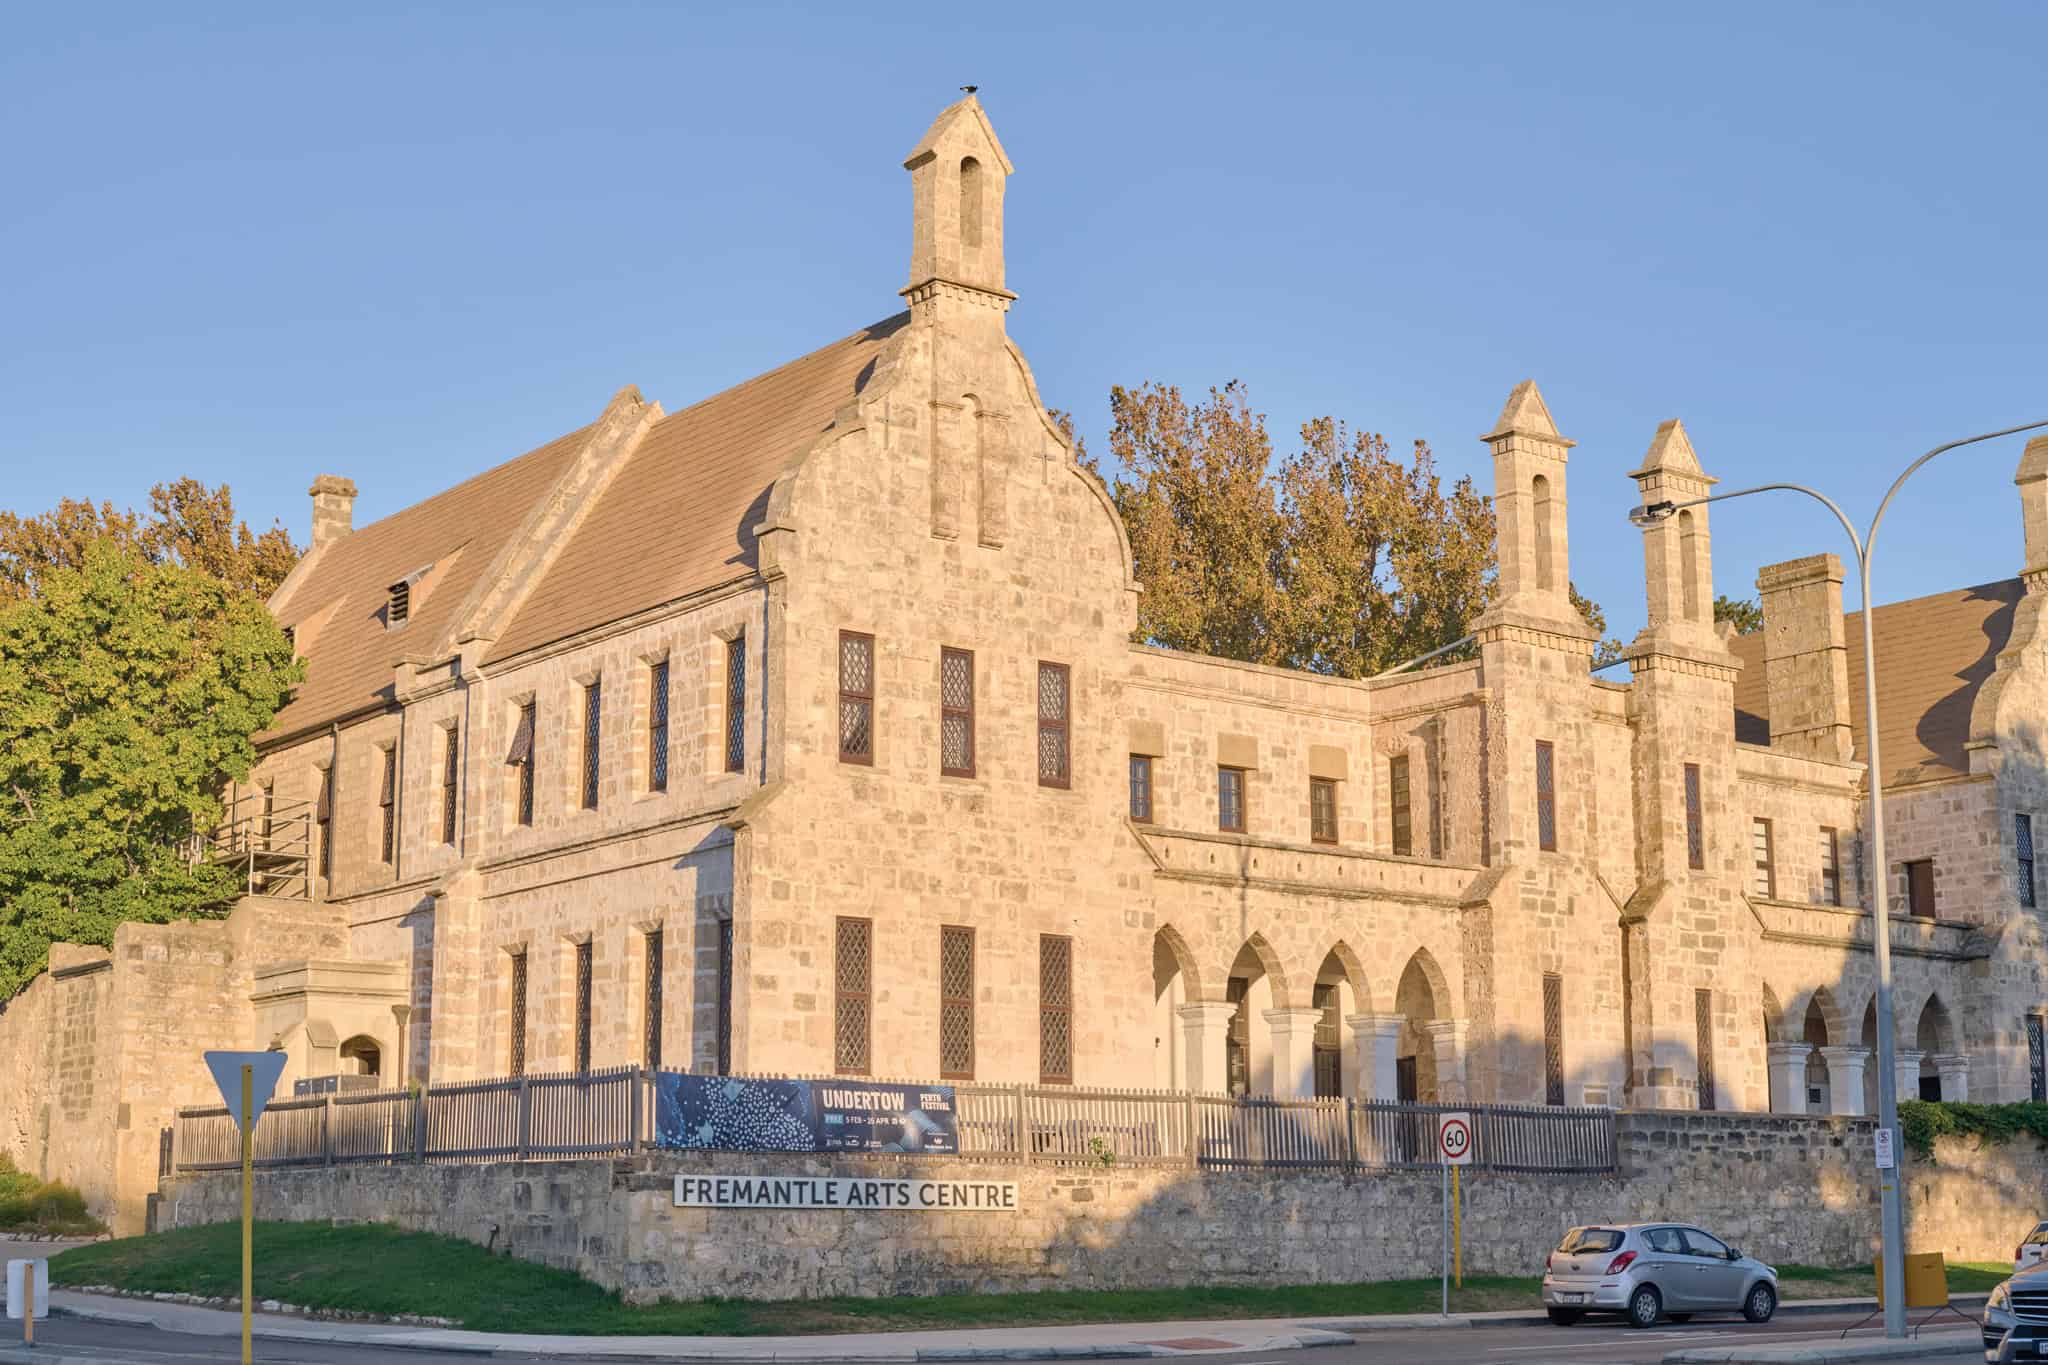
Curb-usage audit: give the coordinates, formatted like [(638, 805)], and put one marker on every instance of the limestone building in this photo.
[(800, 730)]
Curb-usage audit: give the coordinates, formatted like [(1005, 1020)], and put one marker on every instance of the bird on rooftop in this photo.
[(970, 89)]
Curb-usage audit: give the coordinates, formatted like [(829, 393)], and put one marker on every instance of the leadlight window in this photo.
[(2037, 1060), (583, 1006), (736, 704), (651, 1028), (1328, 1048), (725, 997), (1546, 796), (657, 726), (1920, 887), (516, 1061), (1055, 706), (1830, 866), (1703, 1036), (2023, 868), (1055, 1009), (1763, 880), (956, 712), (323, 818), (956, 1003), (856, 698), (520, 756), (853, 994), (1695, 821), (1141, 788), (387, 802), (1433, 759), (1553, 1038), (1400, 805), (1322, 810), (451, 775), (593, 716), (1230, 799)]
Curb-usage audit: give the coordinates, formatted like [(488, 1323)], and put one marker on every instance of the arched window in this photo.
[(360, 1056), (970, 202), (1540, 495), (1689, 564)]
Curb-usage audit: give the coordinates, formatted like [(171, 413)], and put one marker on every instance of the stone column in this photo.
[(1294, 1059), (1845, 1078), (1955, 1076), (1788, 1076), (1377, 1038), (1906, 1068), (1447, 1037), (1205, 1028)]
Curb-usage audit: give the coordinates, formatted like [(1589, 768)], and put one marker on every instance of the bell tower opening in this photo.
[(970, 202)]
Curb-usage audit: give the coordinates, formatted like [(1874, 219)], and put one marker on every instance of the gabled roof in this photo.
[(1934, 653)]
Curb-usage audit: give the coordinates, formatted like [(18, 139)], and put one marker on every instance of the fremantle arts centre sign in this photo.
[(834, 1192), (729, 1114)]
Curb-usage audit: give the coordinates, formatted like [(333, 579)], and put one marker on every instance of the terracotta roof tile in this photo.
[(1936, 652)]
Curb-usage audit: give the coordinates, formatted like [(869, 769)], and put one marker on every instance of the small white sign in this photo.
[(264, 1069), (19, 1275), (837, 1192), (1887, 1151), (1454, 1139)]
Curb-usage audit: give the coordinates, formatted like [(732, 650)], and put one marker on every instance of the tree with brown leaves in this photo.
[(188, 524)]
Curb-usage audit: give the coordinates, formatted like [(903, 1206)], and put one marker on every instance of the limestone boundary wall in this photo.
[(1785, 1188)]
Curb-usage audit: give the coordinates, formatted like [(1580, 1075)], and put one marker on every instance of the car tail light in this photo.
[(1621, 1263), (1549, 1256)]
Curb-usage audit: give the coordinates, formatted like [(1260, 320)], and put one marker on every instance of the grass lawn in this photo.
[(367, 1268)]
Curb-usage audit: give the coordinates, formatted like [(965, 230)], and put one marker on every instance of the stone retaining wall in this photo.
[(1788, 1189)]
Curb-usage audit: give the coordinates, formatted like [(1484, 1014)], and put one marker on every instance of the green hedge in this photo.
[(31, 1205), (1925, 1120)]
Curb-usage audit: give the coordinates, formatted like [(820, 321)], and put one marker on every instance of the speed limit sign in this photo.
[(1454, 1139)]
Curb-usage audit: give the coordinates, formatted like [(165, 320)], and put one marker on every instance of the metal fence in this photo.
[(610, 1113)]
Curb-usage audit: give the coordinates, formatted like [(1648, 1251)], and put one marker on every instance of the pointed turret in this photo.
[(1529, 503), (957, 173), (1678, 568)]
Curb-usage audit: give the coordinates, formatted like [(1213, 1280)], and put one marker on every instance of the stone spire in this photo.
[(957, 173), (1529, 504), (1678, 566)]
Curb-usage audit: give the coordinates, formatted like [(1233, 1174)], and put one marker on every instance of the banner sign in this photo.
[(835, 1192), (727, 1113)]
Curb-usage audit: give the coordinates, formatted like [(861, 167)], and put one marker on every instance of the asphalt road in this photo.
[(1614, 1344)]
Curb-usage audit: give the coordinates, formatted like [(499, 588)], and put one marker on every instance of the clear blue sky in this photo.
[(405, 244)]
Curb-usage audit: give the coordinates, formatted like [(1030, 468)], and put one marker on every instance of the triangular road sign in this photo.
[(264, 1069)]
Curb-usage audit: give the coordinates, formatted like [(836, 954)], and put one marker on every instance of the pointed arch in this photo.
[(1174, 984), (1934, 1031), (1539, 498), (1817, 1018), (1774, 1017), (970, 201), (1168, 941), (1341, 962), (1255, 957)]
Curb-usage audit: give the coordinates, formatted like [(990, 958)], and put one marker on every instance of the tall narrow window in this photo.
[(323, 819), (583, 1006), (451, 778), (1539, 491), (387, 804), (1399, 805), (853, 995), (1763, 879), (2023, 866), (1327, 1051), (1546, 796), (266, 820), (1055, 1009), (2037, 1060), (856, 697), (1703, 1036), (1055, 708), (516, 1059), (1695, 821), (956, 712), (970, 202), (1322, 810), (1920, 887), (1689, 566), (657, 726), (593, 714), (1830, 866), (725, 997), (736, 704), (650, 1054), (1237, 1039), (1141, 788), (1433, 800), (1230, 799), (1553, 1038), (520, 757), (956, 1003)]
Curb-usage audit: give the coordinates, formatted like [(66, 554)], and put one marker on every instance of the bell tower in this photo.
[(957, 174)]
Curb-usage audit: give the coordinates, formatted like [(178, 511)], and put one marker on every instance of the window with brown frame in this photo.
[(1055, 716), (583, 1006), (1695, 821), (1920, 887), (593, 714), (1703, 1038), (657, 726), (516, 1059), (1763, 879), (451, 780), (1230, 800), (650, 1053), (856, 697), (1399, 805), (956, 712), (1546, 796), (1327, 1049), (1141, 788), (520, 756), (1830, 866), (323, 820), (1055, 1009), (853, 994), (956, 1003), (387, 801), (1553, 1038), (725, 997), (736, 704), (1322, 810)]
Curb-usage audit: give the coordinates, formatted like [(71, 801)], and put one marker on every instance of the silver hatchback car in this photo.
[(1647, 1271)]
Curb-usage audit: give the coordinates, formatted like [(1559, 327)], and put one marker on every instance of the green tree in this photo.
[(188, 523), (130, 689), (1741, 612), (1609, 649)]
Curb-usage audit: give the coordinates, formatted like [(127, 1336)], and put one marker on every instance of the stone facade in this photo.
[(647, 747), (1787, 1189)]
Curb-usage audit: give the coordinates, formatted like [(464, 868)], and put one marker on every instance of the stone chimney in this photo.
[(1806, 657), (2032, 479), (334, 505)]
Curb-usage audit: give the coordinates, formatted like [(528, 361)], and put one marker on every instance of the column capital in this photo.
[(1446, 1030), (1952, 1061), (1851, 1054), (1789, 1052), (1907, 1056), (1376, 1025), (1205, 1011), (1292, 1020)]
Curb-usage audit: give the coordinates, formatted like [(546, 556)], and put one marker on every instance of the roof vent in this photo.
[(398, 598)]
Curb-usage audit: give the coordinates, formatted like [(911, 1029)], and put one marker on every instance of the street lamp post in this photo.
[(1894, 1230)]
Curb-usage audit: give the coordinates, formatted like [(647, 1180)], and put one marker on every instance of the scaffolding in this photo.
[(268, 842)]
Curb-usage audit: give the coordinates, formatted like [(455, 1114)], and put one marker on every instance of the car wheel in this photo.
[(1645, 1306), (1761, 1303), (1563, 1317), (1678, 1317)]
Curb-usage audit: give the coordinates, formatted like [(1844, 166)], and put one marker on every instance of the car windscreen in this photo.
[(2039, 1234), (1590, 1239)]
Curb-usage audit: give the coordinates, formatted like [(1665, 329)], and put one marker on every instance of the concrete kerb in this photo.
[(1830, 1353)]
